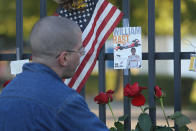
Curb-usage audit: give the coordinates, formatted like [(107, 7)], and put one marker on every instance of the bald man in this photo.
[(37, 99)]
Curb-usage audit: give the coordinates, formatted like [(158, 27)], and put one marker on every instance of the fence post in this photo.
[(177, 59), (151, 58), (126, 72), (19, 29), (102, 107), (43, 9), (127, 107)]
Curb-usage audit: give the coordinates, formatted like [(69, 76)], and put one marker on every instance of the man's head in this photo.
[(56, 42), (133, 50)]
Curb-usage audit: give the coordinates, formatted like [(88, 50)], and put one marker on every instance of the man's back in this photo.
[(37, 99)]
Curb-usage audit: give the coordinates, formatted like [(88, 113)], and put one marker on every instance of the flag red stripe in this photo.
[(87, 57), (101, 44), (101, 9)]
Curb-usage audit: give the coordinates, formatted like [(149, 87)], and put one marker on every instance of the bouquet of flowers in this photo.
[(134, 92)]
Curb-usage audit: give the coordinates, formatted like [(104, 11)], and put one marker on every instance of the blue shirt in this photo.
[(38, 100)]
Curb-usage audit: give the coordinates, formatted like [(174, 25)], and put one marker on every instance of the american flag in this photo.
[(97, 21)]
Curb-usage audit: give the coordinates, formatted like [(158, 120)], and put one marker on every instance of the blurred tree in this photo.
[(188, 16), (30, 15), (138, 15), (31, 9)]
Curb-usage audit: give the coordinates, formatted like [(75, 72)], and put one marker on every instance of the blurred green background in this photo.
[(138, 16)]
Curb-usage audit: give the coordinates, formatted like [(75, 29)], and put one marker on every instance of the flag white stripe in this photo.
[(87, 66), (88, 28), (98, 23)]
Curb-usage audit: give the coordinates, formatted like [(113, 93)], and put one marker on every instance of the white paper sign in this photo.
[(192, 66), (127, 47), (16, 66)]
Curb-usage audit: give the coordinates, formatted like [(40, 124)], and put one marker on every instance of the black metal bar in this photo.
[(11, 57), (19, 29), (177, 60), (43, 8), (127, 107), (151, 62), (126, 72), (110, 56), (126, 80), (126, 9), (102, 108)]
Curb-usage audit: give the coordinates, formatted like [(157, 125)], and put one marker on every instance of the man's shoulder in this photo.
[(52, 93), (74, 111), (48, 101), (56, 95), (72, 98)]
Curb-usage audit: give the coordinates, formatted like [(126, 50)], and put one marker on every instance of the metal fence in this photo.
[(151, 56)]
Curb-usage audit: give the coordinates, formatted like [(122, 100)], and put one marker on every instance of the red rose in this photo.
[(109, 94), (138, 100), (133, 90), (142, 88), (127, 91), (104, 98), (158, 92), (5, 83)]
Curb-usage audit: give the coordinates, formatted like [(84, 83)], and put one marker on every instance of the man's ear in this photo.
[(63, 59)]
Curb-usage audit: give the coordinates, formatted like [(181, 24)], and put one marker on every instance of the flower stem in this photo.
[(142, 109), (111, 111), (162, 107)]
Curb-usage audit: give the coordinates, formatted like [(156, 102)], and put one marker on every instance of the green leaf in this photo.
[(122, 118), (113, 129), (146, 108), (184, 128), (175, 115), (145, 123), (137, 127), (163, 128), (119, 126), (180, 119)]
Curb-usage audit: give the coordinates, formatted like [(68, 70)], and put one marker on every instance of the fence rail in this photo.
[(110, 56)]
